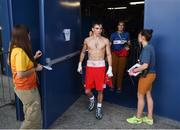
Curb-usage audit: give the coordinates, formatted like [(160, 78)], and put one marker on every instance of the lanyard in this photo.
[(119, 36)]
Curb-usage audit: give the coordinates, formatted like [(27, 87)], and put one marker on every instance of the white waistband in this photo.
[(99, 63), (119, 41)]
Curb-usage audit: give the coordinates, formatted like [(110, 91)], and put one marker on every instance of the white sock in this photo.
[(91, 98), (99, 104)]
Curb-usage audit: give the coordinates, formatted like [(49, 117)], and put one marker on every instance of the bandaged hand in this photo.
[(79, 70), (127, 48), (109, 72)]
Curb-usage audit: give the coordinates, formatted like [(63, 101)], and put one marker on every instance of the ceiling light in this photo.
[(115, 8), (136, 3), (70, 4)]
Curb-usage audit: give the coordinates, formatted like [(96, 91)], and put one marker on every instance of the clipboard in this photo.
[(133, 67)]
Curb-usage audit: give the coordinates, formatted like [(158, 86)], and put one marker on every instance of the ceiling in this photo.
[(107, 3), (97, 10), (95, 7)]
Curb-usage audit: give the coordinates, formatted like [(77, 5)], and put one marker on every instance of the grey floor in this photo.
[(77, 116), (6, 90), (7, 111), (8, 118)]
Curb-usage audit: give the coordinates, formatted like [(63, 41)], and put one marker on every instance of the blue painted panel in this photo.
[(60, 87), (163, 16), (27, 12), (61, 90), (57, 18), (19, 12), (5, 23)]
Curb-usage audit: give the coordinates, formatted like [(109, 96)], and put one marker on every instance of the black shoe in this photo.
[(119, 91), (99, 113), (111, 89), (91, 105)]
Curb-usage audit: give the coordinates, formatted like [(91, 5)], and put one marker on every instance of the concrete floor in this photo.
[(6, 90), (8, 118), (78, 117)]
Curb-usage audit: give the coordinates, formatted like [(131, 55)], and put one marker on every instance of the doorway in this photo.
[(110, 12)]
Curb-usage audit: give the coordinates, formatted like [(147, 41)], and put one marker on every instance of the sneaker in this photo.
[(147, 120), (99, 113), (119, 91), (111, 89), (134, 120), (91, 105)]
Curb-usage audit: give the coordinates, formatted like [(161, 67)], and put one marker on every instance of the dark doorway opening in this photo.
[(109, 12), (133, 15), (104, 11)]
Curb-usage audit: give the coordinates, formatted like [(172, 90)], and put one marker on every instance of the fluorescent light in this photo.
[(136, 3), (70, 4), (115, 8)]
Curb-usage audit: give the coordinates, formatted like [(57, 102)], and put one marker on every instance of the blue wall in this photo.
[(46, 20), (14, 12), (61, 86), (27, 12), (5, 23), (164, 17)]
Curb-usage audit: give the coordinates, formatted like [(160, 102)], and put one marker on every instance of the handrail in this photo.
[(61, 59)]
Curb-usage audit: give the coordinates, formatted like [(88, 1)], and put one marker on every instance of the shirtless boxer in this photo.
[(97, 47)]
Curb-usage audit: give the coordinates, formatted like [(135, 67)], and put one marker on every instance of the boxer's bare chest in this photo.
[(96, 44)]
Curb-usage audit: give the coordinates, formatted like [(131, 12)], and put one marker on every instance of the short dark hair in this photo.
[(96, 23), (147, 33), (121, 21)]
